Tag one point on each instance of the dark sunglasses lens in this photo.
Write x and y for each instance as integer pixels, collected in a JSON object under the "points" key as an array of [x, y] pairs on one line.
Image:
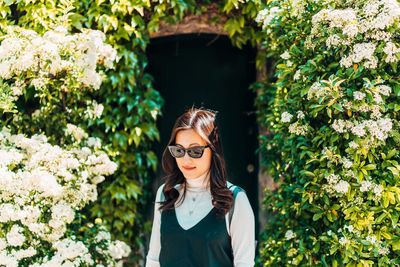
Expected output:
{"points": [[177, 152], [195, 152]]}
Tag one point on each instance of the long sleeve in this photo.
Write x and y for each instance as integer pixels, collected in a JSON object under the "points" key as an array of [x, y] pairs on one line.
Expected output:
{"points": [[152, 258], [243, 232]]}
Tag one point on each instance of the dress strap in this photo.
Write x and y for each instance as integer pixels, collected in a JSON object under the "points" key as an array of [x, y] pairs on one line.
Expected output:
{"points": [[236, 190]]}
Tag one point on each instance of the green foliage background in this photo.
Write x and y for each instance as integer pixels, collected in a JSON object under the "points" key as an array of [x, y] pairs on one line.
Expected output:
{"points": [[310, 226], [299, 163]]}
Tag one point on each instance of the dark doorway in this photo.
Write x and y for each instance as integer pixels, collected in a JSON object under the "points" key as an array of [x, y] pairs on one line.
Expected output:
{"points": [[206, 70]]}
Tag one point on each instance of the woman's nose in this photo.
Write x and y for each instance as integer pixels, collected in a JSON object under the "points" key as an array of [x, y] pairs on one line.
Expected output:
{"points": [[186, 157]]}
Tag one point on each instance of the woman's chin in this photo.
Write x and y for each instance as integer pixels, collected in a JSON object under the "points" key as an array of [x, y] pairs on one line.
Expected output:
{"points": [[190, 175]]}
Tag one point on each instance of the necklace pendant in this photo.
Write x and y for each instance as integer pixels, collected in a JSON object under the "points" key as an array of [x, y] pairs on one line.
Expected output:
{"points": [[190, 212], [193, 198]]}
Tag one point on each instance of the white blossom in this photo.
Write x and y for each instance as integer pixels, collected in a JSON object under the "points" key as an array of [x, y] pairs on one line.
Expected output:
{"points": [[342, 187], [300, 114], [297, 129], [297, 75], [75, 131], [332, 178], [365, 186], [391, 51], [119, 249], [15, 236], [286, 117], [266, 16], [344, 241], [384, 90], [285, 55], [347, 163], [359, 95], [372, 239], [289, 235]]}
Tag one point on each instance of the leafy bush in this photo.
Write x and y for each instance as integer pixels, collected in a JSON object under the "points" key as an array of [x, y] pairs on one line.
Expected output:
{"points": [[43, 186], [334, 133]]}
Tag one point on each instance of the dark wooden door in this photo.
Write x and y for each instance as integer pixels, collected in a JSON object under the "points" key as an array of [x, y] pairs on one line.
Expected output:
{"points": [[206, 70]]}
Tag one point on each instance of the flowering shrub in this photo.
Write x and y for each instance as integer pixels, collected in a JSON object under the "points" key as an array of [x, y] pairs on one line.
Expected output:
{"points": [[334, 133], [41, 188], [53, 64], [44, 187]]}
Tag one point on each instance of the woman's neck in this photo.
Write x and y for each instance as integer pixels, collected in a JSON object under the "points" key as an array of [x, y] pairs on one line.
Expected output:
{"points": [[200, 183]]}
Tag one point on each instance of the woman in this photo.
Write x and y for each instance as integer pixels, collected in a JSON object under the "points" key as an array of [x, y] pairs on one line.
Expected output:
{"points": [[198, 220]]}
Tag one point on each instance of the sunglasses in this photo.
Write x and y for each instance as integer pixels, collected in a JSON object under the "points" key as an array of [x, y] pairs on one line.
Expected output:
{"points": [[193, 152]]}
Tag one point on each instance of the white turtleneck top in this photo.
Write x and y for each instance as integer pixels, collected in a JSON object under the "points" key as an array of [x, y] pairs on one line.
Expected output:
{"points": [[189, 213]]}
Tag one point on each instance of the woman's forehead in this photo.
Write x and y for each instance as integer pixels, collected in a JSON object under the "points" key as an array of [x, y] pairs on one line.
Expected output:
{"points": [[188, 137]]}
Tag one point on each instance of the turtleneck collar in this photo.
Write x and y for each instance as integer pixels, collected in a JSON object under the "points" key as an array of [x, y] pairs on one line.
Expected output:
{"points": [[200, 183]]}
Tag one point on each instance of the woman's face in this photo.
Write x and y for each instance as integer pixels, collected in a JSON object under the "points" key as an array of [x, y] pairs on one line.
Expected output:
{"points": [[191, 167]]}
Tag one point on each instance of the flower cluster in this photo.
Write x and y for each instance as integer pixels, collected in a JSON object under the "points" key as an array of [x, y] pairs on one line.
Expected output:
{"points": [[371, 20], [336, 186], [377, 129], [41, 188], [266, 16], [28, 59]]}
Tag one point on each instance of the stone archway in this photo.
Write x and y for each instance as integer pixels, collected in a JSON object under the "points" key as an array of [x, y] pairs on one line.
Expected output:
{"points": [[211, 21]]}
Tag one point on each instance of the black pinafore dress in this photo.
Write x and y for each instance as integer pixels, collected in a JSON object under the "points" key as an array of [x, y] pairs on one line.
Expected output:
{"points": [[206, 244]]}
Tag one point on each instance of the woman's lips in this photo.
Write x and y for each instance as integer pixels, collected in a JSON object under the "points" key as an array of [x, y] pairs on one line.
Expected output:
{"points": [[188, 168]]}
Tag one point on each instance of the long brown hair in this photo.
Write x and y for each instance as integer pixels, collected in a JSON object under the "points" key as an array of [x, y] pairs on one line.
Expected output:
{"points": [[203, 122]]}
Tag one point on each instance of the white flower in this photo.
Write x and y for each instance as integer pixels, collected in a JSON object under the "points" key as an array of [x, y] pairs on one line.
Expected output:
{"points": [[103, 235], [286, 117], [332, 178], [333, 41], [39, 197], [316, 91], [347, 163], [69, 249], [15, 236], [383, 250], [377, 190], [24, 253], [372, 239], [353, 145], [384, 90], [94, 142], [359, 95], [365, 186], [289, 235], [98, 110], [3, 244], [351, 30], [361, 52], [77, 132], [62, 212], [98, 179], [297, 75], [297, 129], [342, 187], [391, 50], [119, 249], [266, 16], [339, 126], [371, 9], [298, 7], [300, 115], [285, 55], [344, 241], [358, 130]]}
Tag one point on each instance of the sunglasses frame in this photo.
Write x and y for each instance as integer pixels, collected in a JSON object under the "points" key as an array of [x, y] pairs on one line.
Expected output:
{"points": [[186, 150]]}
